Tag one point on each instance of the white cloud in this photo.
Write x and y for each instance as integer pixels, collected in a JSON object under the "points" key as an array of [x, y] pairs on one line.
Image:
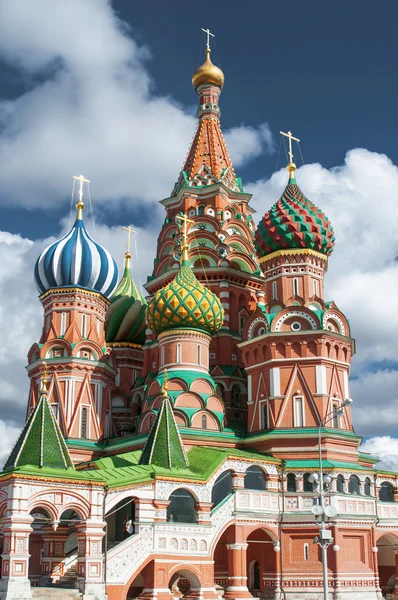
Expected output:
{"points": [[375, 407], [385, 448], [92, 109], [8, 436]]}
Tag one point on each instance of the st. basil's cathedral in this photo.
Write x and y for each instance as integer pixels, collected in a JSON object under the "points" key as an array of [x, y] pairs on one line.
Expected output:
{"points": [[177, 443]]}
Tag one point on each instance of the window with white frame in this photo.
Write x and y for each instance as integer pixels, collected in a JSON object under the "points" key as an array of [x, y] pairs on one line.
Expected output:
{"points": [[298, 411], [274, 291], [315, 282], [83, 422], [62, 329], [178, 353], [162, 356], [335, 420], [295, 286], [84, 326], [198, 353], [265, 423]]}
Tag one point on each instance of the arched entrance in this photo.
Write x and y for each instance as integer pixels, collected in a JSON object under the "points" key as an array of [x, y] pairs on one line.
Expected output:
{"points": [[261, 561], [42, 520], [183, 584], [387, 545], [120, 521]]}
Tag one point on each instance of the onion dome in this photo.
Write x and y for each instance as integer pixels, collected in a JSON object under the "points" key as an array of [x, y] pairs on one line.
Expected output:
{"points": [[125, 317], [185, 303], [208, 73], [294, 222], [76, 260]]}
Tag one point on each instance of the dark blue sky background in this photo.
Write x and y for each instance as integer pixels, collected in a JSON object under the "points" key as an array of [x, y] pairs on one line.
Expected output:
{"points": [[327, 71]]}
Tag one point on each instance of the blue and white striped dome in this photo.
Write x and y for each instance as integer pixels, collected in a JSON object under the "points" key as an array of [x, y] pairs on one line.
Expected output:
{"points": [[76, 260]]}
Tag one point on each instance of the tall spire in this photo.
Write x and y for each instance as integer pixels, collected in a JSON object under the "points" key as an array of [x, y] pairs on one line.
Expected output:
{"points": [[164, 447], [41, 443]]}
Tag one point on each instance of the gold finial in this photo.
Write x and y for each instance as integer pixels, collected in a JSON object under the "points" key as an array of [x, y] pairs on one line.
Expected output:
{"points": [[80, 203], [128, 253], [208, 34], [165, 384], [185, 246], [44, 381], [291, 167]]}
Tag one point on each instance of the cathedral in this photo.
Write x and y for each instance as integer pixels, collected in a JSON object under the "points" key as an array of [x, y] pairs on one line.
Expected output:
{"points": [[196, 442]]}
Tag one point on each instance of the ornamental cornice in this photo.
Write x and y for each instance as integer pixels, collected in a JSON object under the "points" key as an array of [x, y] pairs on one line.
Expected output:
{"points": [[185, 332], [71, 290], [292, 252], [125, 345], [56, 480]]}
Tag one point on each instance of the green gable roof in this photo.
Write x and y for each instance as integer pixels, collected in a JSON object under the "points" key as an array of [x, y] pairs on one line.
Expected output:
{"points": [[41, 443], [164, 446]]}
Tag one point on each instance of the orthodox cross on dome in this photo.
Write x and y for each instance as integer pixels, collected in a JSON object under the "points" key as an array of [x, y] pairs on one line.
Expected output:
{"points": [[80, 204], [290, 137], [208, 34], [184, 246], [129, 232], [43, 389]]}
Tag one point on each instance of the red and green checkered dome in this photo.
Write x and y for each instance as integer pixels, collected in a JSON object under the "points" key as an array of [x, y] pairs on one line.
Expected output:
{"points": [[294, 222]]}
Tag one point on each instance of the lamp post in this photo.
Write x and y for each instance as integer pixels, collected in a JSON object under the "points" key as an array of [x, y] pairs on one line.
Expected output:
{"points": [[321, 511]]}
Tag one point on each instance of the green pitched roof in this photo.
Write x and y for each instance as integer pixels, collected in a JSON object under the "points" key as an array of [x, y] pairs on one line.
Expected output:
{"points": [[164, 446], [41, 443]]}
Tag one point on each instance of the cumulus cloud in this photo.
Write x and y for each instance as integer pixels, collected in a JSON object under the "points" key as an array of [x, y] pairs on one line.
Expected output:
{"points": [[8, 435], [386, 448], [91, 107]]}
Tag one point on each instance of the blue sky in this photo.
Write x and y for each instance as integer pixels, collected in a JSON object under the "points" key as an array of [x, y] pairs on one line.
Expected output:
{"points": [[105, 90]]}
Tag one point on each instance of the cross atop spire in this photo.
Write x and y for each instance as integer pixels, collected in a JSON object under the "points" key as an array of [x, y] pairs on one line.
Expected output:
{"points": [[208, 34], [185, 246], [128, 253], [291, 166], [80, 203]]}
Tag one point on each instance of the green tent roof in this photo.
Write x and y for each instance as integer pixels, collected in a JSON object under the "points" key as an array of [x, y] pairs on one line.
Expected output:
{"points": [[41, 443]]}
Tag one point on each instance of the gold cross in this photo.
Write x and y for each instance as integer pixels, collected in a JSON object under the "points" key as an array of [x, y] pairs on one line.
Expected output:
{"points": [[208, 34], [290, 136], [129, 232], [184, 246], [45, 379], [82, 180], [165, 384]]}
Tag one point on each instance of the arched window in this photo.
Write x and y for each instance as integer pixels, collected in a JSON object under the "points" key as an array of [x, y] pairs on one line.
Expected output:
{"points": [[274, 291], [386, 492], [354, 486], [84, 326], [178, 353], [204, 422], [222, 488], [198, 353], [162, 356], [201, 210], [340, 484], [235, 396], [182, 507], [255, 479], [315, 281], [83, 423], [63, 324], [265, 415], [307, 485], [368, 487], [295, 286], [291, 482]]}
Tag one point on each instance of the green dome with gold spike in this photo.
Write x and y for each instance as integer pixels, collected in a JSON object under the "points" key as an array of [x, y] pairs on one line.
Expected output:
{"points": [[125, 317], [185, 303]]}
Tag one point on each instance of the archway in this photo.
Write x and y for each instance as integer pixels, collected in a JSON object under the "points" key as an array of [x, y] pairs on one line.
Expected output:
{"points": [[120, 521], [261, 562], [184, 583], [42, 521], [386, 546]]}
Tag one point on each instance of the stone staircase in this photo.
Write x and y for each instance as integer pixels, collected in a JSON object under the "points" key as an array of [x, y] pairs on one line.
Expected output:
{"points": [[56, 593]]}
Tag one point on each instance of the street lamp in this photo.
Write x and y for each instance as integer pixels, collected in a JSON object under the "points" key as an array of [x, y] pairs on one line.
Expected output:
{"points": [[320, 511]]}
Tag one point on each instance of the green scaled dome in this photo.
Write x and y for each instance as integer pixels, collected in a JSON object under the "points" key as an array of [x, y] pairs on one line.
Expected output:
{"points": [[294, 222], [185, 303], [125, 317]]}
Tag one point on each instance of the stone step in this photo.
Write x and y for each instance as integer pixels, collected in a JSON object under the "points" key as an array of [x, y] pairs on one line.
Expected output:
{"points": [[56, 593]]}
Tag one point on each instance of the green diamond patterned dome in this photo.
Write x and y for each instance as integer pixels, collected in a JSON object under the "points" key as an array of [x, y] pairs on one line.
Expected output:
{"points": [[294, 222], [185, 303], [125, 317]]}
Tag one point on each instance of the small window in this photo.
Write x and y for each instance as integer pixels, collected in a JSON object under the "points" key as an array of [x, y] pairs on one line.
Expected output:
{"points": [[85, 354], [265, 415], [298, 412], [198, 353], [63, 324], [368, 487], [295, 287], [162, 356], [204, 422], [335, 416], [242, 321], [201, 210], [306, 552], [178, 354], [117, 378], [83, 424], [274, 291], [307, 485], [133, 376], [340, 484], [222, 488], [291, 482], [182, 507], [84, 326], [354, 486], [57, 353], [315, 281], [386, 492]]}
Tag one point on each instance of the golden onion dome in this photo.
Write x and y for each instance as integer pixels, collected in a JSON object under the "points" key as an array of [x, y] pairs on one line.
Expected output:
{"points": [[208, 73], [185, 303]]}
